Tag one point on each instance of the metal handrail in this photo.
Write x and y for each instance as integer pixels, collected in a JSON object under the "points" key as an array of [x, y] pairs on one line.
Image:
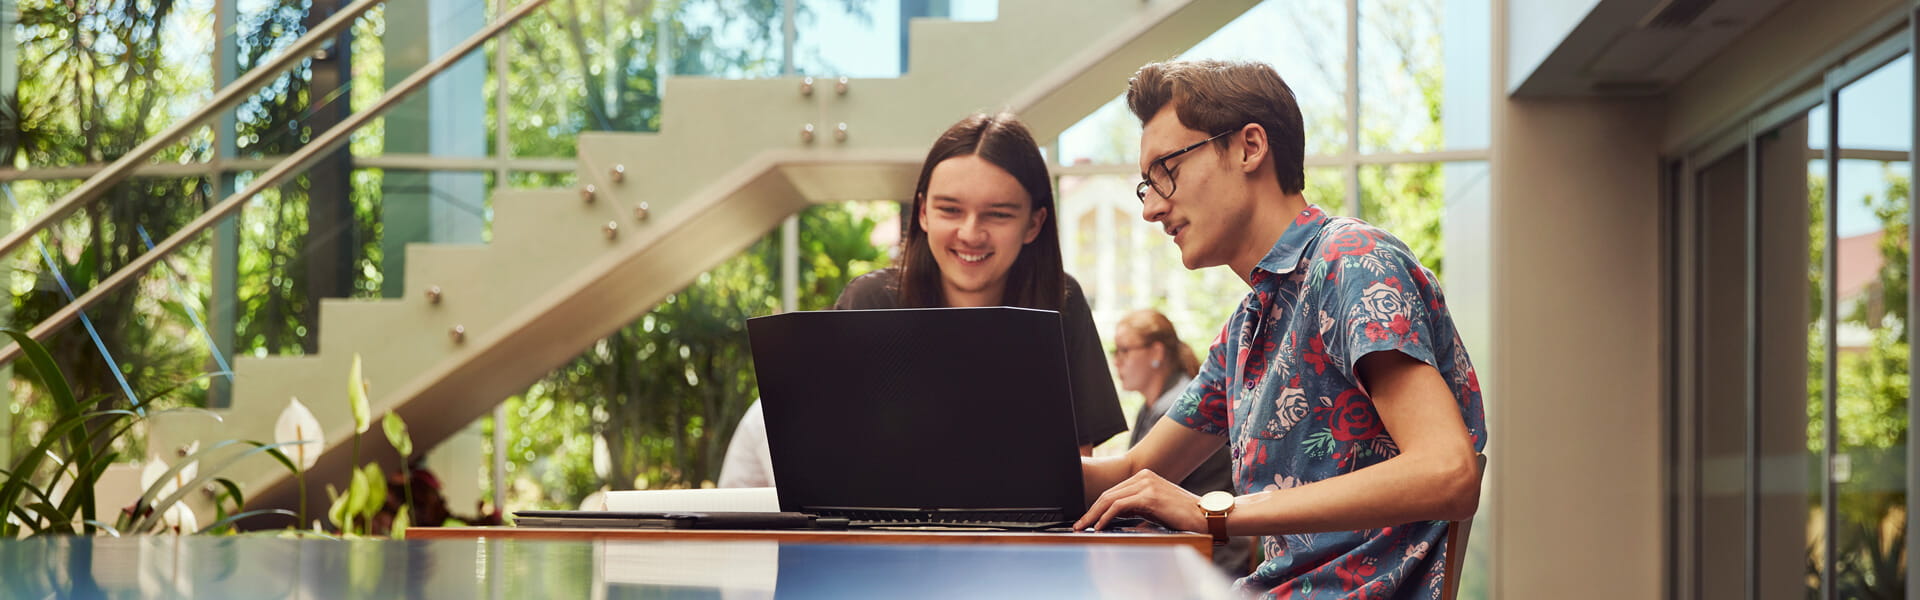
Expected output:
{"points": [[300, 159], [226, 98]]}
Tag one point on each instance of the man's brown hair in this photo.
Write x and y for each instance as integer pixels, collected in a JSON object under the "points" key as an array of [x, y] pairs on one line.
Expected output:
{"points": [[1214, 96]]}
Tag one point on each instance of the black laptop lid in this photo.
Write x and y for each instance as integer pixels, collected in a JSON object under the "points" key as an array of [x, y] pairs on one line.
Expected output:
{"points": [[940, 408]]}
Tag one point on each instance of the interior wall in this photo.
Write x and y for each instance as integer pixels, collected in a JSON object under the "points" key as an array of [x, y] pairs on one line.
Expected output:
{"points": [[1576, 298]]}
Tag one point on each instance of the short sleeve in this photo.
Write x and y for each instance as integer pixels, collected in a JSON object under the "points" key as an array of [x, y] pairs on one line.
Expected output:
{"points": [[1379, 299], [1203, 407], [1096, 407]]}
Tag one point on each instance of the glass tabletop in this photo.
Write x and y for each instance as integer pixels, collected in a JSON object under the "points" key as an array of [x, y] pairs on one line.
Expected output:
{"points": [[267, 567]]}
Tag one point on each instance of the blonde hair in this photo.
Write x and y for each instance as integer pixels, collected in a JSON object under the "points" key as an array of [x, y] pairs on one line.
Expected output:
{"points": [[1152, 327]]}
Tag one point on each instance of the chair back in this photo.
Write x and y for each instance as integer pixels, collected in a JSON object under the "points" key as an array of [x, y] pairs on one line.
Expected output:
{"points": [[1457, 532]]}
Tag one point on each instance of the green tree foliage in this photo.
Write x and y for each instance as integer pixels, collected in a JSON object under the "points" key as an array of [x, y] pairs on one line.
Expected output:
{"points": [[277, 313], [93, 77], [99, 78]]}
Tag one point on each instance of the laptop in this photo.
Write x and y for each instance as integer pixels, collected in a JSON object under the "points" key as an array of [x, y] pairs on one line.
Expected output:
{"points": [[941, 417]]}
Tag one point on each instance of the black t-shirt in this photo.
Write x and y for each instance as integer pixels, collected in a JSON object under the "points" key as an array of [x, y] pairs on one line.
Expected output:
{"points": [[1096, 408]]}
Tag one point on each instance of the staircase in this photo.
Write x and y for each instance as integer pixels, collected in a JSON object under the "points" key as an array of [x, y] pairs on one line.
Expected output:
{"points": [[568, 267]]}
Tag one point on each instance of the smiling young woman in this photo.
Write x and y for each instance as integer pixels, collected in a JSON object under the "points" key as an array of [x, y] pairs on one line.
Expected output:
{"points": [[983, 190], [981, 234]]}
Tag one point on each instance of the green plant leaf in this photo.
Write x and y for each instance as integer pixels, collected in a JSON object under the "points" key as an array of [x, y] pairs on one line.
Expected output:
{"points": [[29, 463], [401, 522], [376, 497], [357, 397], [274, 451], [357, 494], [233, 491], [108, 528], [396, 431], [337, 508], [27, 520], [51, 514], [43, 368]]}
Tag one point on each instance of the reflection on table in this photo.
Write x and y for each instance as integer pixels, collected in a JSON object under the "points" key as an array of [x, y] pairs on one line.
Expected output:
{"points": [[248, 566]]}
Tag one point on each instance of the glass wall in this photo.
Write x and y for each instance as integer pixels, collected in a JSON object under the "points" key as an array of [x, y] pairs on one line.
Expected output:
{"points": [[1791, 472]]}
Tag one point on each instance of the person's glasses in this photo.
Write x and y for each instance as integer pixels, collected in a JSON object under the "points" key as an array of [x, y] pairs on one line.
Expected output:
{"points": [[1120, 352], [1160, 176]]}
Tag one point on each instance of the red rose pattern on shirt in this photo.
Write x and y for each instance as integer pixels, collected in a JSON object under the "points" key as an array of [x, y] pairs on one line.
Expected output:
{"points": [[1279, 383]]}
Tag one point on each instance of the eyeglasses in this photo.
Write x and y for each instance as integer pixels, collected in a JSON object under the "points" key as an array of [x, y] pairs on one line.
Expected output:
{"points": [[1120, 352], [1160, 176]]}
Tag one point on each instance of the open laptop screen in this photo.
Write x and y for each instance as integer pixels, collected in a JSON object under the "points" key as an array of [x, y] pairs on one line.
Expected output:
{"points": [[944, 409]]}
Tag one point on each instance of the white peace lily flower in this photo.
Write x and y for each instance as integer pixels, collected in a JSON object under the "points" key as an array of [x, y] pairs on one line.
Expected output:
{"points": [[180, 519], [298, 424], [157, 468], [152, 473]]}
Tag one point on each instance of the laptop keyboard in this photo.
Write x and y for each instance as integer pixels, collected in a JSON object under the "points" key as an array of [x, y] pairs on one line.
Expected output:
{"points": [[998, 519]]}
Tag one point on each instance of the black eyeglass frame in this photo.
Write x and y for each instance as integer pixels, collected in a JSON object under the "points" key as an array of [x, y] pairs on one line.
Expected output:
{"points": [[1140, 190]]}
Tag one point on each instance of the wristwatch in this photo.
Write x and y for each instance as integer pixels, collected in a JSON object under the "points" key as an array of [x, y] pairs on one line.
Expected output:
{"points": [[1216, 505]]}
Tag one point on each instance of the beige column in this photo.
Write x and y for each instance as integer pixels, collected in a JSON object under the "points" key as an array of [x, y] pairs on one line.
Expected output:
{"points": [[1575, 408]]}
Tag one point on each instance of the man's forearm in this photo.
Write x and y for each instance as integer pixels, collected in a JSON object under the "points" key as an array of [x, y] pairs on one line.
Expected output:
{"points": [[1099, 473], [1170, 449], [1403, 489]]}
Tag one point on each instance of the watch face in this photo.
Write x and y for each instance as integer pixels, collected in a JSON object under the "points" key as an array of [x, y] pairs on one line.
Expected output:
{"points": [[1216, 501]]}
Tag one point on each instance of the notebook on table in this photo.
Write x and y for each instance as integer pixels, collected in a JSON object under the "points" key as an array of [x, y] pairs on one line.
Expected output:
{"points": [[597, 519], [941, 417]]}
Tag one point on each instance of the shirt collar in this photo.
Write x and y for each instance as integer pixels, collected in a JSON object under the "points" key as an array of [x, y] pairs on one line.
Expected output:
{"points": [[1284, 257]]}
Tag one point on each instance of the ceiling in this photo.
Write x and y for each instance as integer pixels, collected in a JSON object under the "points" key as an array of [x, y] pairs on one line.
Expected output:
{"points": [[1641, 47]]}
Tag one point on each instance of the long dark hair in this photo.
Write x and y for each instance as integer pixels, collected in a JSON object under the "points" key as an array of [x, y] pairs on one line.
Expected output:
{"points": [[1036, 279]]}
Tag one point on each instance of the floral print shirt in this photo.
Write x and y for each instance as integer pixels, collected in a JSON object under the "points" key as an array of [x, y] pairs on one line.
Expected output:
{"points": [[1280, 384]]}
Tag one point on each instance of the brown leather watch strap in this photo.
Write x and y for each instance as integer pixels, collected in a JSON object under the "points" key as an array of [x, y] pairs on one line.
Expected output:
{"points": [[1217, 525]]}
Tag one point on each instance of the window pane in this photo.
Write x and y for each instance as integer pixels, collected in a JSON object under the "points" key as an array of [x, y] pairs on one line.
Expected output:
{"points": [[1111, 135], [1719, 496], [1125, 263], [1410, 201], [1306, 43], [855, 39], [1791, 369], [1418, 58], [1873, 222], [1327, 188]]}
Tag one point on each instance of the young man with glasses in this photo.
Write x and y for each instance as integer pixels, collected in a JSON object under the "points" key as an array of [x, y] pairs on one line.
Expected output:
{"points": [[1343, 393]]}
